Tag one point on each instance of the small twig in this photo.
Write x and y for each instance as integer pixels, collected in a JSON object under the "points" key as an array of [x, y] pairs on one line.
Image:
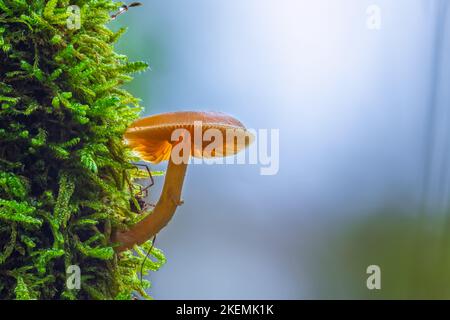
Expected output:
{"points": [[146, 257]]}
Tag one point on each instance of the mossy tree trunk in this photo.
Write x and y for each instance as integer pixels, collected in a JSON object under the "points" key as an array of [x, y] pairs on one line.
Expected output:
{"points": [[65, 174]]}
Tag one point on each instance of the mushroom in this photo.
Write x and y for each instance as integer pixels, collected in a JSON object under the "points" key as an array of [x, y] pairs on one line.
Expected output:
{"points": [[174, 137]]}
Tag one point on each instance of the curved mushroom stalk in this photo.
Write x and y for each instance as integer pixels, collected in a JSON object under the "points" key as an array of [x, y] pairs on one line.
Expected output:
{"points": [[163, 212], [151, 138]]}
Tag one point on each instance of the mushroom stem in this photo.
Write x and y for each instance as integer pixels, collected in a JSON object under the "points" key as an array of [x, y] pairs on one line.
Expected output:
{"points": [[163, 212]]}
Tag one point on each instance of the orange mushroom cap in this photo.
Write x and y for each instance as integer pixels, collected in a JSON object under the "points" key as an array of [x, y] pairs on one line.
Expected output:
{"points": [[151, 137]]}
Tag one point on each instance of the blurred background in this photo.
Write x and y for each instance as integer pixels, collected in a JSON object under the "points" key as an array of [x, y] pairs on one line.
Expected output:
{"points": [[364, 123]]}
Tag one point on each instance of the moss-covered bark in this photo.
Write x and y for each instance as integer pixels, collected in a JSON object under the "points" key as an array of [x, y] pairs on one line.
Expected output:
{"points": [[65, 174]]}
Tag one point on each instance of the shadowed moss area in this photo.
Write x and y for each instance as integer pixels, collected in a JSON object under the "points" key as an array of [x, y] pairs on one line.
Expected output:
{"points": [[66, 178]]}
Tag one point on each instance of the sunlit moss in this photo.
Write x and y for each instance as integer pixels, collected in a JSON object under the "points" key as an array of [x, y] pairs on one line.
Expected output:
{"points": [[65, 173]]}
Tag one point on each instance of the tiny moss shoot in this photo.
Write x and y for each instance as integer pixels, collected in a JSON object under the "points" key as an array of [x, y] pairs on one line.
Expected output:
{"points": [[66, 178]]}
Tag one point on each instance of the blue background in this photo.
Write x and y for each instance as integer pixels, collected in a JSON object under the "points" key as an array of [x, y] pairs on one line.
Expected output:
{"points": [[363, 118]]}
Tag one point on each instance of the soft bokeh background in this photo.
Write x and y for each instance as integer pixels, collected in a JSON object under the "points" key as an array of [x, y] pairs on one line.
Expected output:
{"points": [[364, 149]]}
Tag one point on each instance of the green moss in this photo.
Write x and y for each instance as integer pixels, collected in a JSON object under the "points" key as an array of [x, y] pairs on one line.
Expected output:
{"points": [[65, 173]]}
